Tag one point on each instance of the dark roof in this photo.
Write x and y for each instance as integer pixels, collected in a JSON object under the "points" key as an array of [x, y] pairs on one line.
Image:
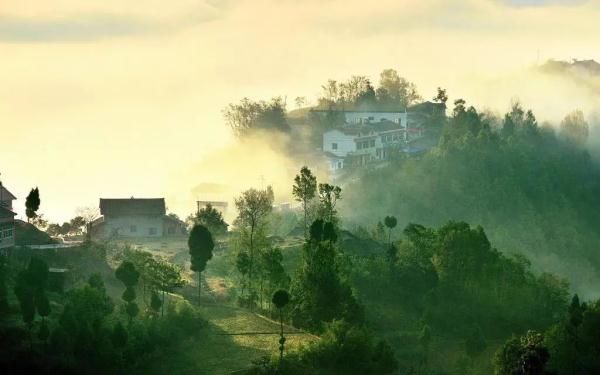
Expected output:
{"points": [[427, 107], [4, 193], [132, 206]]}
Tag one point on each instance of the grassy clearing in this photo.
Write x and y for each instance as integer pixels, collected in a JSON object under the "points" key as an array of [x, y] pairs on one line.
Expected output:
{"points": [[219, 353]]}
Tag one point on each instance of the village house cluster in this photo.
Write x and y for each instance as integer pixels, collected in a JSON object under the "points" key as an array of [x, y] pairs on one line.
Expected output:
{"points": [[373, 136]]}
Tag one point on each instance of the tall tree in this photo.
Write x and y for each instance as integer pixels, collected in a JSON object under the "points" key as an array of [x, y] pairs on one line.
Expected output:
{"points": [[575, 128], [304, 190], [280, 299], [253, 207], [129, 276], [201, 246], [390, 222], [32, 204], [328, 196]]}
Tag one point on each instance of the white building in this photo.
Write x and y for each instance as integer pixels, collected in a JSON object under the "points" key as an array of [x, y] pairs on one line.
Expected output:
{"points": [[135, 218], [7, 218], [373, 117], [362, 145]]}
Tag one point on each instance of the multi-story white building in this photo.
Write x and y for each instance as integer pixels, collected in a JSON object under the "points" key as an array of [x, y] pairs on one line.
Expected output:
{"points": [[7, 219], [365, 144]]}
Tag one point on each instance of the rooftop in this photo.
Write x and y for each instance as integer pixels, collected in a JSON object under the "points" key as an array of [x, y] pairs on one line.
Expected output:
{"points": [[5, 194], [132, 206]]}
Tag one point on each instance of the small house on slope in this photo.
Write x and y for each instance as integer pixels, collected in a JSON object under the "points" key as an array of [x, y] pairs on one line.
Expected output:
{"points": [[136, 218]]}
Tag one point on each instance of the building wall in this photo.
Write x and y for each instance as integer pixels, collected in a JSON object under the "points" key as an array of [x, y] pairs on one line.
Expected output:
{"points": [[374, 117], [134, 226], [7, 233], [338, 143]]}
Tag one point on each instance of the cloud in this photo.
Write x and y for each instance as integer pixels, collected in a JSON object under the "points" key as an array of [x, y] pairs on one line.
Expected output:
{"points": [[98, 26], [537, 3]]}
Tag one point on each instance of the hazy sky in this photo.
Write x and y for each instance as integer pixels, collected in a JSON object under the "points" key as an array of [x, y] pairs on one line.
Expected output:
{"points": [[119, 98]]}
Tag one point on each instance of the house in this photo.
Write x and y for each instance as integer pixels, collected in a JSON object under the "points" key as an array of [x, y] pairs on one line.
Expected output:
{"points": [[136, 218], [7, 219], [364, 144], [366, 117]]}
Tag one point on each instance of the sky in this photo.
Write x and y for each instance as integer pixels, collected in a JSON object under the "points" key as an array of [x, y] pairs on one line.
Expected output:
{"points": [[125, 98]]}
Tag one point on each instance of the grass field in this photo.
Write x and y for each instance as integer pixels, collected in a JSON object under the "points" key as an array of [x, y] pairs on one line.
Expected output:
{"points": [[224, 348]]}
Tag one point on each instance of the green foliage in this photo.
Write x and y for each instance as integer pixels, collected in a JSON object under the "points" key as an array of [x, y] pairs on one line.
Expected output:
{"points": [[319, 294], [452, 279], [43, 331], [475, 343], [483, 174], [575, 128], [526, 355], [249, 116], [305, 190], [328, 197], [127, 274], [281, 298], [201, 246], [30, 289], [211, 218], [574, 343], [119, 336], [155, 302], [32, 203], [343, 349]]}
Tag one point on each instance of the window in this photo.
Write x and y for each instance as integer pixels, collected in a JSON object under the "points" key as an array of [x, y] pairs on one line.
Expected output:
{"points": [[358, 145], [372, 144], [339, 165], [133, 229], [334, 146], [152, 231]]}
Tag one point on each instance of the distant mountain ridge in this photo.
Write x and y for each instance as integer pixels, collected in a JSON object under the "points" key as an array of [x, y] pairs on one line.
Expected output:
{"points": [[576, 67]]}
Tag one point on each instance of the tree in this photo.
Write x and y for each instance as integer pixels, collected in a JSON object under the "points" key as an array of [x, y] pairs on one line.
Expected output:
{"points": [[165, 277], [253, 207], [272, 270], [242, 264], [89, 215], [211, 218], [328, 196], [280, 299], [30, 291], [575, 128], [129, 276], [522, 356], [441, 97], [201, 246], [320, 295], [390, 223], [300, 101], [119, 336], [248, 116], [155, 302], [32, 204], [400, 92], [304, 190]]}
